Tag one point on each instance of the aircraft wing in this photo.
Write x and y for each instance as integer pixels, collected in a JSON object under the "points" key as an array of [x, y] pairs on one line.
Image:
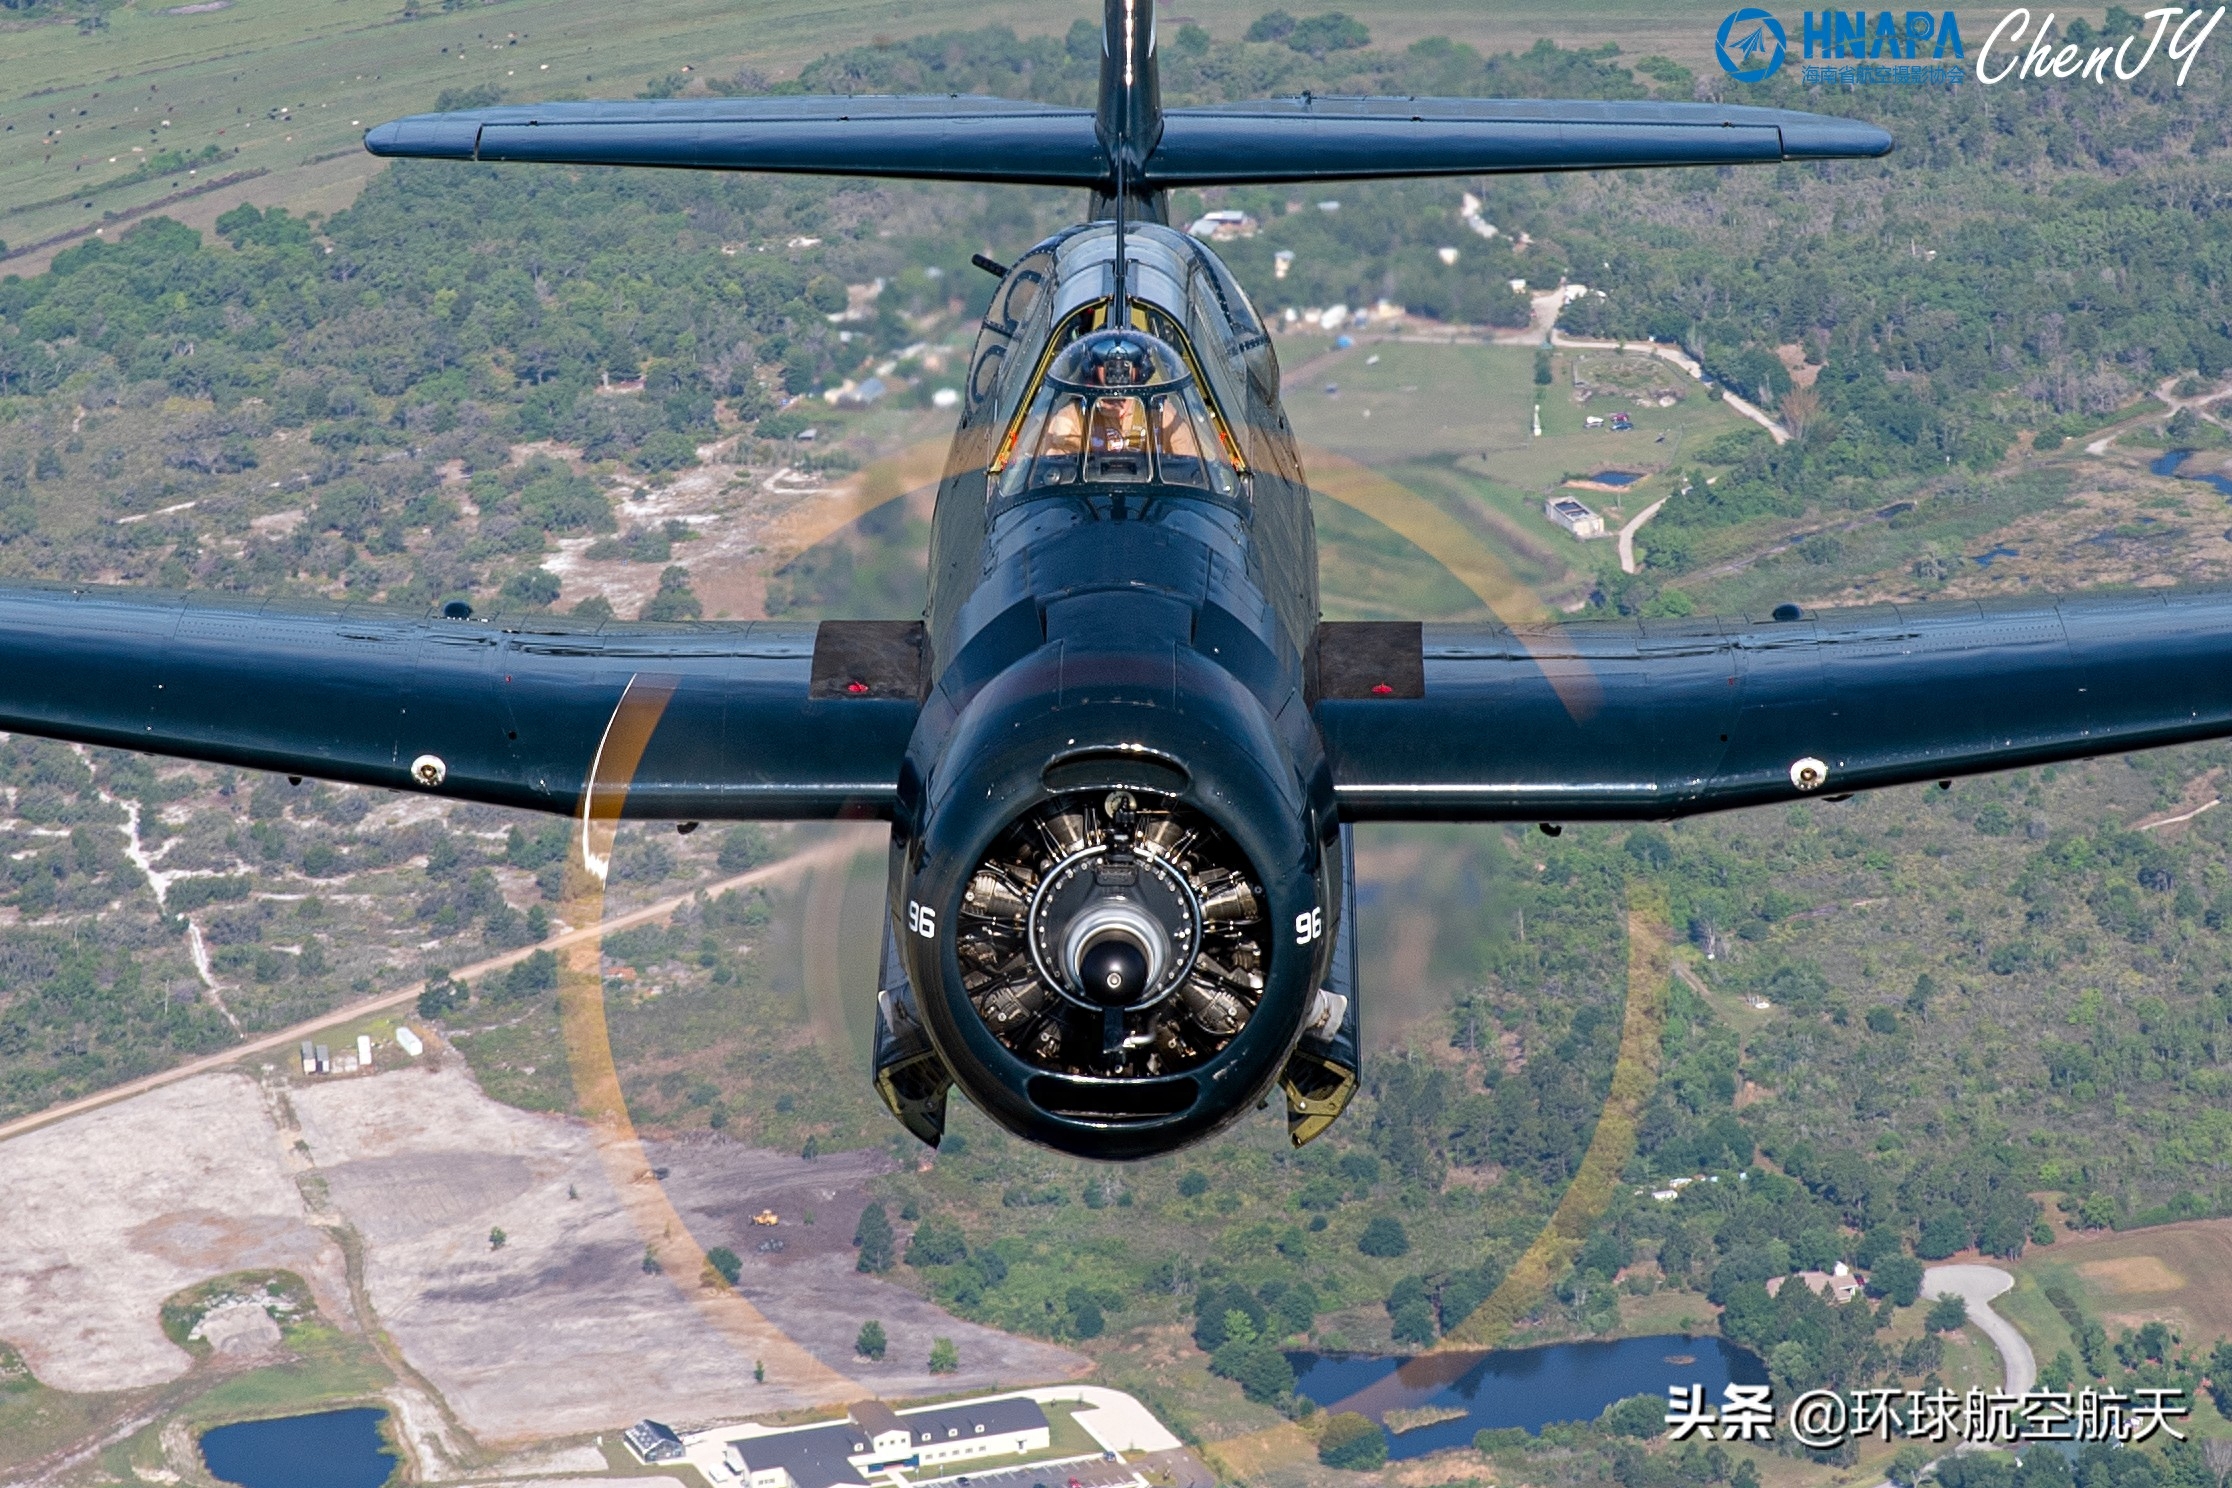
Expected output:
{"points": [[964, 138], [758, 720], [1664, 719]]}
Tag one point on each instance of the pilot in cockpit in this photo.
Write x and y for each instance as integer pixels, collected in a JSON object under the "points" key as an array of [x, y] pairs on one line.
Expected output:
{"points": [[1117, 407]]}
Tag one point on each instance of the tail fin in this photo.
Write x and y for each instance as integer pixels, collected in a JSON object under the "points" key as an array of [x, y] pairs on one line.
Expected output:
{"points": [[1129, 118]]}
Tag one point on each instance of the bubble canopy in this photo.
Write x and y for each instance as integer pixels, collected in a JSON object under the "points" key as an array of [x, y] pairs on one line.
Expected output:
{"points": [[1117, 408]]}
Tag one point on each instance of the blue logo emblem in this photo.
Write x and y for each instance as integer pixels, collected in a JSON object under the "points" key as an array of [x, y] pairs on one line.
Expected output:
{"points": [[1750, 45]]}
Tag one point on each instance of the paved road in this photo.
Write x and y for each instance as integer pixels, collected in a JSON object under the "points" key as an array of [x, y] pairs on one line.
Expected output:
{"points": [[1977, 1286], [840, 848], [1627, 534]]}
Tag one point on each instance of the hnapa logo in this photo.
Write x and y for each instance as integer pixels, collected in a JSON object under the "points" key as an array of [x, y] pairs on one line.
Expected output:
{"points": [[1921, 47]]}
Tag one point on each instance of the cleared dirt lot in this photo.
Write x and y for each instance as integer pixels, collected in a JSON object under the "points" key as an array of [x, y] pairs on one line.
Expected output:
{"points": [[810, 1289], [109, 1213], [559, 1331], [562, 1330]]}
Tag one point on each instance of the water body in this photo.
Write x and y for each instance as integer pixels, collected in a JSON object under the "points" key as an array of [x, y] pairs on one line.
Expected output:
{"points": [[1986, 560], [1528, 1388], [2171, 463], [333, 1449], [1615, 477]]}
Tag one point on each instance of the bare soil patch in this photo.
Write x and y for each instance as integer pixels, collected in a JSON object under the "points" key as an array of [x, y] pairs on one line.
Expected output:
{"points": [[110, 1212]]}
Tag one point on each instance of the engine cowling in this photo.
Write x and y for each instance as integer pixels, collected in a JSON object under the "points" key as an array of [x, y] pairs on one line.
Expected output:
{"points": [[1112, 910]]}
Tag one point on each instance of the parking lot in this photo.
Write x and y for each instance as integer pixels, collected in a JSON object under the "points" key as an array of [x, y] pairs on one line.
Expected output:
{"points": [[1085, 1472]]}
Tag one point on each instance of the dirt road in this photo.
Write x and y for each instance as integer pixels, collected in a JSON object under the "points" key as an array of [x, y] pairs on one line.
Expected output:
{"points": [[841, 848]]}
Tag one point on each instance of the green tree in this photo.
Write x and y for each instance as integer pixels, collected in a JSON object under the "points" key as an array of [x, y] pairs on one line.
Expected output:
{"points": [[725, 1263], [442, 996], [1192, 1183], [1898, 1277], [675, 599], [944, 1357], [871, 1342], [536, 588], [497, 1239], [743, 846], [1085, 1319], [873, 1236], [1351, 1441], [1638, 1416], [1384, 1237], [1949, 1314], [1260, 1369], [938, 1241]]}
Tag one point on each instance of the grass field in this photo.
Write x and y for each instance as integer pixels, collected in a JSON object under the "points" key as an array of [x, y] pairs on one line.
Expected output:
{"points": [[2175, 1273], [1454, 423], [284, 88]]}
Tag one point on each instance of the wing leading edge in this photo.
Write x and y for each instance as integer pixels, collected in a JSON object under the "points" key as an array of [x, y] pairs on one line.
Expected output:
{"points": [[1665, 719], [761, 720]]}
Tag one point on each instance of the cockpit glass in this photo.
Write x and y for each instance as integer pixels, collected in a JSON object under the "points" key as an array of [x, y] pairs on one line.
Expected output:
{"points": [[1079, 428], [1117, 450]]}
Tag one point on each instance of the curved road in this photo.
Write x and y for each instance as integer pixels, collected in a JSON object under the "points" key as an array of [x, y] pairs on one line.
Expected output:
{"points": [[1627, 534], [1977, 1286]]}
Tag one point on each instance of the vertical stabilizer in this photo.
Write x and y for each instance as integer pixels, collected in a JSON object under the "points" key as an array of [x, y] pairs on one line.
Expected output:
{"points": [[1129, 118]]}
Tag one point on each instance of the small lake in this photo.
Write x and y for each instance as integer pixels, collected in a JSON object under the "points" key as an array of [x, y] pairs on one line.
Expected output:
{"points": [[333, 1449], [2171, 463], [1528, 1388]]}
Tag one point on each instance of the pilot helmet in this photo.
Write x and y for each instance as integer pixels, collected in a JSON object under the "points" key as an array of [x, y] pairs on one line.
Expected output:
{"points": [[1118, 359]]}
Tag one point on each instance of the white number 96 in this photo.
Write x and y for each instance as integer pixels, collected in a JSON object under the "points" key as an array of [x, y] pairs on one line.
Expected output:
{"points": [[922, 920], [1308, 927]]}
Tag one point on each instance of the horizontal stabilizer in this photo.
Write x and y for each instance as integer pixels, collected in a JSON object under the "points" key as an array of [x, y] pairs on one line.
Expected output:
{"points": [[962, 138], [1329, 139], [946, 137]]}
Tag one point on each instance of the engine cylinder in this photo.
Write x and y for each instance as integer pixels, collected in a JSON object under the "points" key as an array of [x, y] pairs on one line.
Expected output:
{"points": [[1095, 892]]}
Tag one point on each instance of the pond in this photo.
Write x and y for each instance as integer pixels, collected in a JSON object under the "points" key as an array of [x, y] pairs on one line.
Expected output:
{"points": [[2171, 463], [333, 1449], [1528, 1388]]}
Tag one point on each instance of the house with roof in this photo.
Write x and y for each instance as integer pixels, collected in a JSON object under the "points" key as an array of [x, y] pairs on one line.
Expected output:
{"points": [[653, 1441], [874, 1439]]}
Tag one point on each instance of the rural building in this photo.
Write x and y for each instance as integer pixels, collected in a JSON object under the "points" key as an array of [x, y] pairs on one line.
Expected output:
{"points": [[1573, 517], [877, 1438], [652, 1441], [409, 1042], [1224, 226], [1839, 1288]]}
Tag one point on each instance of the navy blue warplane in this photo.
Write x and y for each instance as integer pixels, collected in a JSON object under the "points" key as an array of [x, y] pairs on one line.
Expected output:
{"points": [[1121, 753]]}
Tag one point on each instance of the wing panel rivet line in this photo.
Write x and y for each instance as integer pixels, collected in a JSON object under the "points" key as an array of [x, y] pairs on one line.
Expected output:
{"points": [[429, 771]]}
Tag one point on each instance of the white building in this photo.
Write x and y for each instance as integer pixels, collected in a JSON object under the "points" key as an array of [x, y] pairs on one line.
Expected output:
{"points": [[848, 1454], [1224, 226], [1573, 517]]}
